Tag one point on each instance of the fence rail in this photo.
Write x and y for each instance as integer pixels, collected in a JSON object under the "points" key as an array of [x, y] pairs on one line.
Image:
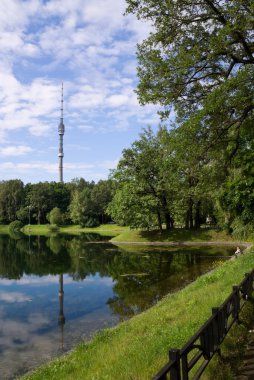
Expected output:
{"points": [[199, 350]]}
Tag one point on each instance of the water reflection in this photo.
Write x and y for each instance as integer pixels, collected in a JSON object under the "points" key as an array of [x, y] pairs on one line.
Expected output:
{"points": [[58, 290]]}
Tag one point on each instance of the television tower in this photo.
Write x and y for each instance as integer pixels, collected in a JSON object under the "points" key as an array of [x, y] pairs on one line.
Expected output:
{"points": [[61, 130]]}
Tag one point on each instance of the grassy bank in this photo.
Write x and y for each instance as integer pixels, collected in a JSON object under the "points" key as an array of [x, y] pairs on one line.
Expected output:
{"points": [[137, 349], [44, 229], [177, 235], [4, 229]]}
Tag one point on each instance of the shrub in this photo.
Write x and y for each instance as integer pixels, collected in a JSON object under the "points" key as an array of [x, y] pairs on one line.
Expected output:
{"points": [[15, 226], [55, 216], [89, 222], [242, 231], [53, 228]]}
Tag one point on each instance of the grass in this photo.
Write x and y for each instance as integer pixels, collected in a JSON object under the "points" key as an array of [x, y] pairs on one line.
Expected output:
{"points": [[44, 229], [176, 235], [4, 229], [138, 348]]}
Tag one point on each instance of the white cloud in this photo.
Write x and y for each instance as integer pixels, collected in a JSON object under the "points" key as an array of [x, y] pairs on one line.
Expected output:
{"points": [[109, 164], [43, 167], [15, 150]]}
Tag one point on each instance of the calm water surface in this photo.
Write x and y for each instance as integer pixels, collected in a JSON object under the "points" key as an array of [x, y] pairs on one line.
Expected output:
{"points": [[102, 285]]}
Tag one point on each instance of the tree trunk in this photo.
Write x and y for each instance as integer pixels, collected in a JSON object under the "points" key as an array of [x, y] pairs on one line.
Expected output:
{"points": [[167, 216], [197, 215], [159, 220], [191, 212], [167, 220], [189, 215]]}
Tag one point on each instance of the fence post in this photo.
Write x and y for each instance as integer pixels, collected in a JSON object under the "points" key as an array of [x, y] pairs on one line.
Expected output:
{"points": [[175, 371], [236, 303], [216, 328]]}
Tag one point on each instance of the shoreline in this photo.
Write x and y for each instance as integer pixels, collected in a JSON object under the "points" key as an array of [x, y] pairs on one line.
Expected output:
{"points": [[183, 243]]}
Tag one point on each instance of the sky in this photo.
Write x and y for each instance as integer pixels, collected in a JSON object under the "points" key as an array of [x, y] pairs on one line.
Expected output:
{"points": [[90, 46]]}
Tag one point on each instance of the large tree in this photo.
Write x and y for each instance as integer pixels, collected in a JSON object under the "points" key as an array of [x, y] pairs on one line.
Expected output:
{"points": [[142, 187], [199, 57]]}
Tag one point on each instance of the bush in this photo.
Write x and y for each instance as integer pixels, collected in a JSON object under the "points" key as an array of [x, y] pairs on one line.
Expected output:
{"points": [[53, 228], [15, 226], [242, 231], [89, 222], [55, 216]]}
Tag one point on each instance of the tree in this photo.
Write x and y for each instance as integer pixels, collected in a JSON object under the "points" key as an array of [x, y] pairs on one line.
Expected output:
{"points": [[82, 209], [60, 195], [55, 216], [11, 199], [199, 59], [236, 195], [141, 185], [101, 196], [190, 173], [40, 199]]}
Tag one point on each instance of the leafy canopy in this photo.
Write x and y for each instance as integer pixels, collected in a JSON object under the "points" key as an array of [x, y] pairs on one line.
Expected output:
{"points": [[199, 58]]}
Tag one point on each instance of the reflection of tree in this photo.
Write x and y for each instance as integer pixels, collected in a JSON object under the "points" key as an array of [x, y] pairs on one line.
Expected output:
{"points": [[89, 259], [141, 280], [18, 257], [141, 276]]}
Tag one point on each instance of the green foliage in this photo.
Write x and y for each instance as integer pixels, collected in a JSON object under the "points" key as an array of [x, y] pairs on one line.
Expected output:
{"points": [[55, 216], [53, 228], [11, 199], [81, 207], [142, 198], [91, 222], [193, 50], [34, 202], [242, 231], [15, 226], [163, 178]]}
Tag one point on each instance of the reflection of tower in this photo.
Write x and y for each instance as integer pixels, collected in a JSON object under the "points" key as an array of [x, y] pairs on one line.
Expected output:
{"points": [[61, 317]]}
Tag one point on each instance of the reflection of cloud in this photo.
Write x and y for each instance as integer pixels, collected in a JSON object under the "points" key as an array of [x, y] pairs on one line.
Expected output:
{"points": [[105, 281], [14, 297], [36, 320], [17, 334], [50, 279], [35, 280]]}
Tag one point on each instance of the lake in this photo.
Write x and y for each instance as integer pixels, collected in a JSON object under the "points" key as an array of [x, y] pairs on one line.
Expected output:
{"points": [[57, 291]]}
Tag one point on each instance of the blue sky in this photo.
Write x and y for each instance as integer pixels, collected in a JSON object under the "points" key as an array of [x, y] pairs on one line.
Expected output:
{"points": [[89, 46]]}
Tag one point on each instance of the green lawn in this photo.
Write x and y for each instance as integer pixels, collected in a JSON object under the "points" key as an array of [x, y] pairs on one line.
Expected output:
{"points": [[176, 235], [4, 229], [111, 229], [136, 349]]}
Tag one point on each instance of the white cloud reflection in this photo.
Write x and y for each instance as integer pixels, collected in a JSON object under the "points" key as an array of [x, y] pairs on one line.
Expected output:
{"points": [[14, 297]]}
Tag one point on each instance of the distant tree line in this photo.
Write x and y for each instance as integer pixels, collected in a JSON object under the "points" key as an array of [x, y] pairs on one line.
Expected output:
{"points": [[166, 179], [79, 201]]}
